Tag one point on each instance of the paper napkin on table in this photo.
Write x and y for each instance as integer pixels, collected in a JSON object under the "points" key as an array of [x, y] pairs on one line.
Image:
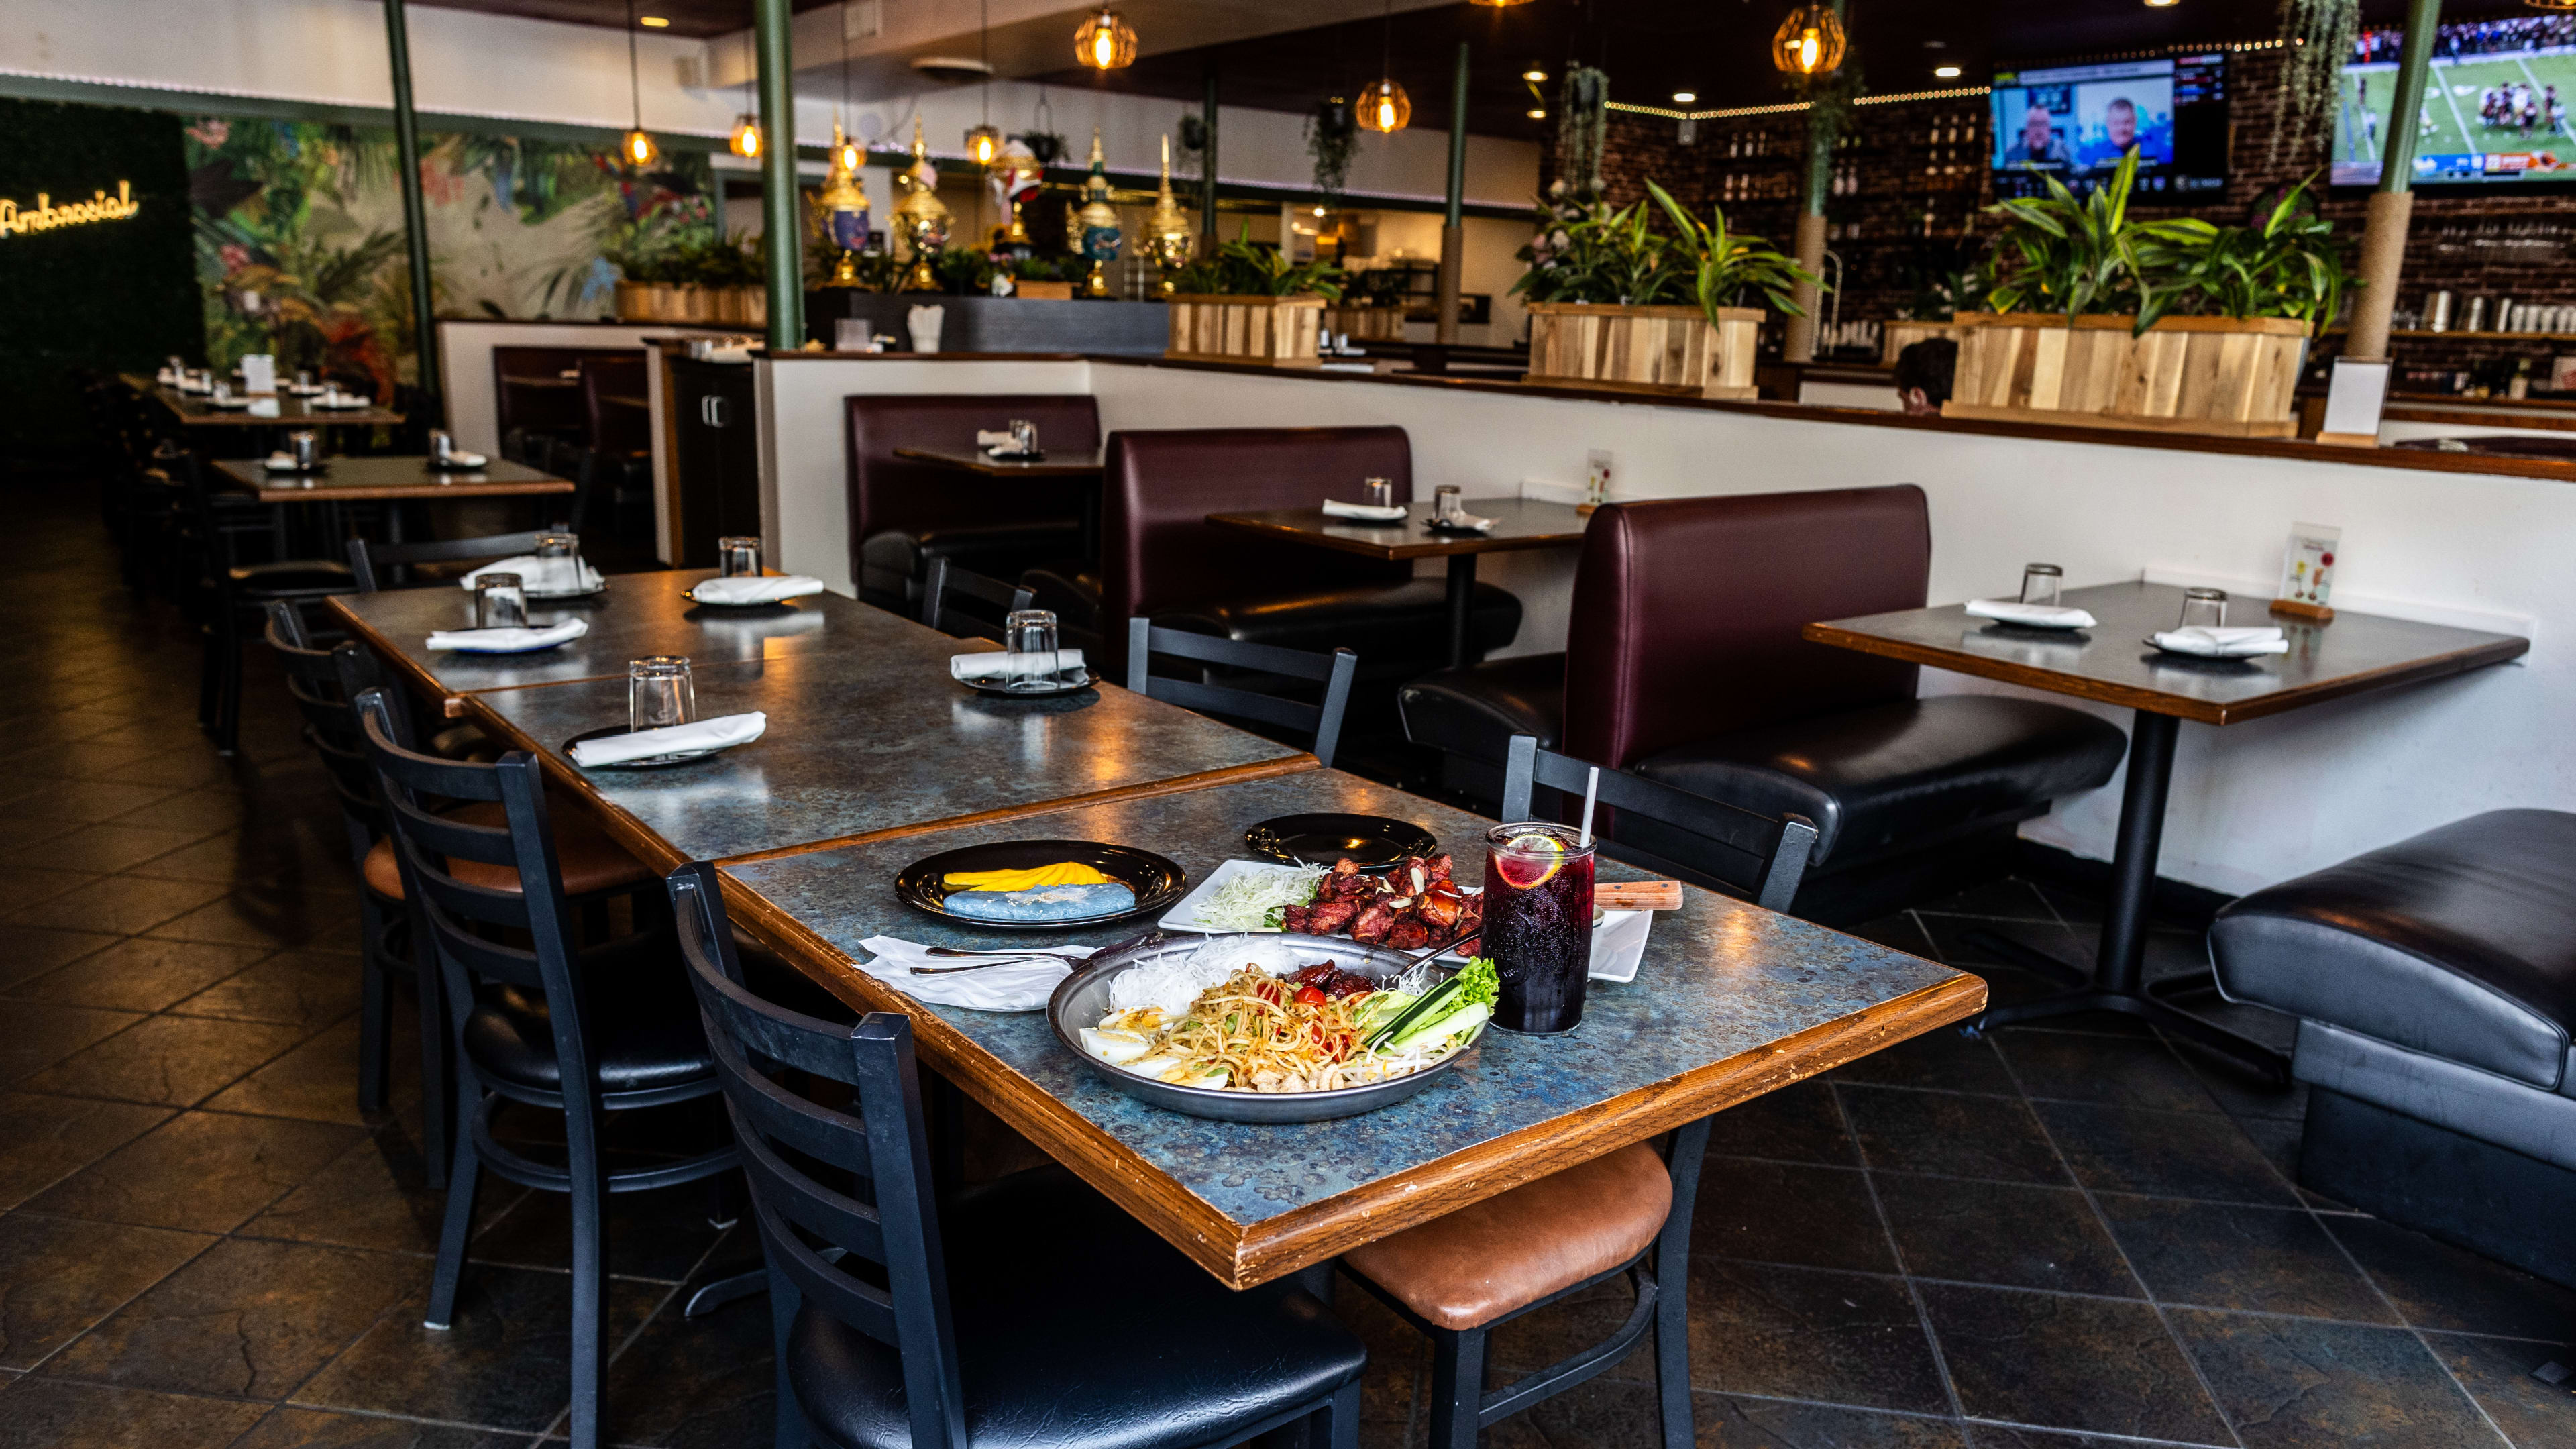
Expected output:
{"points": [[999, 665], [1011, 986], [542, 575], [2041, 616], [755, 589], [463, 459], [987, 438], [1335, 508], [1464, 522], [705, 734], [508, 640], [2209, 643], [280, 463]]}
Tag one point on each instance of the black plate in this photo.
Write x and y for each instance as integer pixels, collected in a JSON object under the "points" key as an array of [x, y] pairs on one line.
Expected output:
{"points": [[1156, 881], [1375, 841], [649, 762], [998, 692]]}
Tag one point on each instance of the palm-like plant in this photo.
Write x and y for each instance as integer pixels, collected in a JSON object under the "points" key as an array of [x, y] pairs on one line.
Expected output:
{"points": [[2058, 254], [1596, 254], [2289, 266], [1727, 264], [1240, 269]]}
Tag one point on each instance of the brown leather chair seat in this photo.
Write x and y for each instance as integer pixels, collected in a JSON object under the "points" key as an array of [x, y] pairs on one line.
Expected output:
{"points": [[592, 863], [1510, 1251]]}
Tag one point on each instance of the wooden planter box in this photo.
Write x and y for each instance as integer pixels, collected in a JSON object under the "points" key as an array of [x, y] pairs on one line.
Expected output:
{"points": [[1269, 331], [1371, 324], [2225, 376], [1899, 336], [665, 302], [1043, 291], [1658, 351]]}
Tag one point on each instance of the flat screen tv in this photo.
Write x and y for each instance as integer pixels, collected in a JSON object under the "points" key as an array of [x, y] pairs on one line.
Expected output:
{"points": [[2074, 122], [2495, 105]]}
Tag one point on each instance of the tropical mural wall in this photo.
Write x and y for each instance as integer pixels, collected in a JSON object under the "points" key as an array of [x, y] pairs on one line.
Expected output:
{"points": [[299, 236]]}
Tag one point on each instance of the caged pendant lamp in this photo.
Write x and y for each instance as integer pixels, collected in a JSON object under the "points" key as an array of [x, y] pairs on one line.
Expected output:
{"points": [[636, 148], [745, 140], [984, 140], [1105, 42], [1810, 42], [1383, 106]]}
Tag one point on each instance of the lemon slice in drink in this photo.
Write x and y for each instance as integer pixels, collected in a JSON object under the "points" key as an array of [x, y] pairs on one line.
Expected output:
{"points": [[1521, 873]]}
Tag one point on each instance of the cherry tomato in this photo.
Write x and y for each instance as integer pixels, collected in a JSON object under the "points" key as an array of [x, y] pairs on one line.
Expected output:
{"points": [[1311, 996]]}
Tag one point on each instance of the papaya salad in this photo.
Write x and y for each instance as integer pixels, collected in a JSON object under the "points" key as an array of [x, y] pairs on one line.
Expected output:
{"points": [[1251, 1016]]}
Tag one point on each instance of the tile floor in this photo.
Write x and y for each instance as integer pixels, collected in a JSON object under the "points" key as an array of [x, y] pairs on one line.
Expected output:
{"points": [[2063, 1239]]}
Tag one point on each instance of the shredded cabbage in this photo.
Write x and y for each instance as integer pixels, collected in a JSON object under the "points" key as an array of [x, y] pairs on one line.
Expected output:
{"points": [[1251, 900]]}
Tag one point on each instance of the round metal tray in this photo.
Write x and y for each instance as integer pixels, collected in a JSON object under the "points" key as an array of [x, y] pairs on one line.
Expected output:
{"points": [[1082, 998]]}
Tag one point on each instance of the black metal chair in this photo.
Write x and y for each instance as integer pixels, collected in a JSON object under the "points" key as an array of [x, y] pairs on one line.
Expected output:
{"points": [[377, 566], [949, 582], [232, 594], [1334, 671], [1095, 1333], [528, 1028], [1773, 850]]}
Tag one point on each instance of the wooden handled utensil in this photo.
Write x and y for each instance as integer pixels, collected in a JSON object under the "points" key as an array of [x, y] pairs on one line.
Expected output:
{"points": [[1637, 895]]}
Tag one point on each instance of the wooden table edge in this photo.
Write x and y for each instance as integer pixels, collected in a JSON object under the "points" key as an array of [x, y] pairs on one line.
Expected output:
{"points": [[526, 489], [1393, 552], [1002, 467], [2156, 702]]}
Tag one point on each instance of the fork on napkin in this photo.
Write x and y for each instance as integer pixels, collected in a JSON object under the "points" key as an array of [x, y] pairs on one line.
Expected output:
{"points": [[1005, 986], [542, 575], [1335, 508], [2209, 643], [2039, 616], [508, 640], [1000, 665], [751, 589], [723, 732]]}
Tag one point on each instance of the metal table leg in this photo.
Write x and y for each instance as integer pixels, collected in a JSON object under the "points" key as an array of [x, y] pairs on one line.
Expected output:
{"points": [[1462, 602], [2120, 960]]}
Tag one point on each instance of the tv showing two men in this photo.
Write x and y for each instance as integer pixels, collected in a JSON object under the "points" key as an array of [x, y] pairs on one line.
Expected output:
{"points": [[2076, 122]]}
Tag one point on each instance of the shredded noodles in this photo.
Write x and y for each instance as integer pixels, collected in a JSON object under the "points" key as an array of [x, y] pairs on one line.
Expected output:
{"points": [[1255, 1032]]}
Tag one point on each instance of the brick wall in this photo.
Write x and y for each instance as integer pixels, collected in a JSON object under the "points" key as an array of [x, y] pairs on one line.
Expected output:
{"points": [[1912, 180]]}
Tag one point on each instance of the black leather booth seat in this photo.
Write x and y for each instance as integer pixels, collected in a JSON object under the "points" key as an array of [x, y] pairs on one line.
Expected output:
{"points": [[904, 513], [2435, 983]]}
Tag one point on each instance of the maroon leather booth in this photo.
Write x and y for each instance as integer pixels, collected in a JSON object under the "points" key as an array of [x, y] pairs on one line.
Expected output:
{"points": [[1161, 558], [1684, 664], [903, 513]]}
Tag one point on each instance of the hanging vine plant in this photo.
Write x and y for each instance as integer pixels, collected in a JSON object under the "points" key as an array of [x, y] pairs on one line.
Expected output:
{"points": [[1583, 115], [1189, 143], [2317, 38], [1332, 138]]}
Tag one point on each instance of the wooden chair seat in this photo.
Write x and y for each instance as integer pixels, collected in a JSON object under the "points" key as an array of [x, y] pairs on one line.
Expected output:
{"points": [[592, 863], [1496, 1257]]}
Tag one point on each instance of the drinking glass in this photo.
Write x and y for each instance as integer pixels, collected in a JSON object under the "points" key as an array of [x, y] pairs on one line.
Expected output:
{"points": [[1381, 493], [305, 446], [1024, 437], [499, 602], [738, 557], [303, 379], [1538, 924], [441, 446], [1029, 635], [2039, 584], [2204, 609], [659, 692], [559, 562], [1448, 502]]}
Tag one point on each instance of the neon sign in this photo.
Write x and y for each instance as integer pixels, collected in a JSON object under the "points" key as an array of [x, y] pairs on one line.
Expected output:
{"points": [[16, 220]]}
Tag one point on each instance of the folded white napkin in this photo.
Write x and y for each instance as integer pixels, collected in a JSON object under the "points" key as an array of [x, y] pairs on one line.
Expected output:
{"points": [[987, 438], [542, 575], [281, 462], [1014, 986], [2038, 616], [747, 589], [998, 665], [508, 640], [1335, 508], [2209, 643], [463, 459], [706, 734], [1472, 523]]}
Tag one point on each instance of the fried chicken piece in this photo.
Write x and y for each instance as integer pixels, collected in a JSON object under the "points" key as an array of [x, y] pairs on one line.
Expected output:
{"points": [[1408, 934], [1436, 867], [1441, 908], [1373, 923], [1325, 917], [1293, 918]]}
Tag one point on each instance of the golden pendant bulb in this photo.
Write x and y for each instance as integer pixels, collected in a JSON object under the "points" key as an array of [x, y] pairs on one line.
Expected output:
{"points": [[1810, 42], [1385, 108], [745, 141], [639, 148], [1105, 42]]}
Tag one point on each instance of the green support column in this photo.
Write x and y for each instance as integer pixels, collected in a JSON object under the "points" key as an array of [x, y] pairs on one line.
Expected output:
{"points": [[782, 211], [2383, 235], [1207, 178], [1809, 246], [424, 305], [1453, 232]]}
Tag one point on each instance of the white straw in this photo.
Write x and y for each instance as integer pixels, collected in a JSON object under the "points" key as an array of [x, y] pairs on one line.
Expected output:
{"points": [[1591, 788]]}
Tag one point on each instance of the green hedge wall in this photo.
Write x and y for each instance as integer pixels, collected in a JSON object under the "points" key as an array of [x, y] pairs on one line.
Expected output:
{"points": [[109, 295]]}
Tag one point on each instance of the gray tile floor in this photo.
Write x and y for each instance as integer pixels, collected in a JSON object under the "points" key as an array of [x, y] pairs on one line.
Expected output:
{"points": [[2061, 1238]]}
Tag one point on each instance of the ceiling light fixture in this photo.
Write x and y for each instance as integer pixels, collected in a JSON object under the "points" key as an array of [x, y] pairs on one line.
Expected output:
{"points": [[745, 141], [1534, 76], [1810, 42], [1383, 106], [847, 153], [1538, 113], [653, 22], [2163, 4], [983, 142], [636, 146], [1105, 42], [1684, 98], [1946, 72], [1498, 4]]}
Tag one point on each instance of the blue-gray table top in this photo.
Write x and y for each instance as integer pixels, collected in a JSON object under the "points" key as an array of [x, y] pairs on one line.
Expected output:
{"points": [[1731, 1000]]}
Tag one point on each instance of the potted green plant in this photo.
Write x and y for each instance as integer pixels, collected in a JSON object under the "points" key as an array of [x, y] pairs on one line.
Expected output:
{"points": [[1248, 303]]}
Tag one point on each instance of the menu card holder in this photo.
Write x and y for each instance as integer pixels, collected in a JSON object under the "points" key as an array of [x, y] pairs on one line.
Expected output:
{"points": [[2353, 403], [2307, 571]]}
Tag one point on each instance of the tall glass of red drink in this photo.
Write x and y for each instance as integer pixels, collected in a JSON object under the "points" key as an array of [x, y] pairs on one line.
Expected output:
{"points": [[1538, 925]]}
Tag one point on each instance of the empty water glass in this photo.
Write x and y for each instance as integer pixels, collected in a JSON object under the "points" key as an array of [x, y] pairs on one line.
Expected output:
{"points": [[303, 379], [305, 447], [559, 562], [659, 692], [2204, 609], [499, 602], [738, 557], [1029, 635], [2040, 584], [1024, 437], [441, 446], [1448, 502], [1381, 493]]}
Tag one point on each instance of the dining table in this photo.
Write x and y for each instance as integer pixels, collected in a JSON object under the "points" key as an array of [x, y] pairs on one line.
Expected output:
{"points": [[2114, 662], [388, 478], [1519, 524], [260, 410], [1082, 469]]}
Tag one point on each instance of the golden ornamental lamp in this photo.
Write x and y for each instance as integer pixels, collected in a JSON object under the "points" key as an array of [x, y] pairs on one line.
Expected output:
{"points": [[1810, 42], [1100, 233], [983, 143], [1105, 42], [1167, 230], [843, 203], [1384, 108], [920, 216]]}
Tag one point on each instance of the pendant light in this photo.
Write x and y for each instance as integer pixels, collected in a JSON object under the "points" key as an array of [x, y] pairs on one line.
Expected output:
{"points": [[1383, 106], [636, 147], [745, 141], [983, 141], [1498, 4], [1810, 42], [847, 153], [1105, 42]]}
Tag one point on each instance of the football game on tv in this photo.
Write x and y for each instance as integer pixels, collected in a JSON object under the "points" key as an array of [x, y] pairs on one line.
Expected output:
{"points": [[2495, 105], [2076, 122]]}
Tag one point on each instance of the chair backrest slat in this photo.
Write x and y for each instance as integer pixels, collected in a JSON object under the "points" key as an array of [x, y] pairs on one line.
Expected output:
{"points": [[1775, 848], [946, 579], [374, 565], [1146, 639]]}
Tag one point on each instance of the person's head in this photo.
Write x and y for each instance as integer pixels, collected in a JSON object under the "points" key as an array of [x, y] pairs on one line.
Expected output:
{"points": [[2120, 118], [2037, 126], [1923, 373]]}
